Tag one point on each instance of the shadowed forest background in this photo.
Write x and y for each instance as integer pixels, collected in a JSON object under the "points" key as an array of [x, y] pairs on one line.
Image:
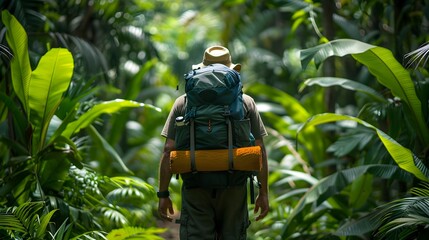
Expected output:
{"points": [[342, 87]]}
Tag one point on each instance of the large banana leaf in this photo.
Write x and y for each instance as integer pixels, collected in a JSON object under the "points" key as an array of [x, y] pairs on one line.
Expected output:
{"points": [[20, 64], [335, 183], [48, 82], [105, 107], [382, 64]]}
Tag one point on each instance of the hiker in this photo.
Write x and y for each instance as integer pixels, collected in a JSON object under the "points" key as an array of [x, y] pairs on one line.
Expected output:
{"points": [[218, 210]]}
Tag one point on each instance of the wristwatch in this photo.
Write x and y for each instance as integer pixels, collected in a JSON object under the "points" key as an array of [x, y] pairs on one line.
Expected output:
{"points": [[163, 194]]}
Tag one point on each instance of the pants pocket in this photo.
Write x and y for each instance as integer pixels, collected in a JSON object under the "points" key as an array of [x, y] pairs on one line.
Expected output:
{"points": [[183, 226]]}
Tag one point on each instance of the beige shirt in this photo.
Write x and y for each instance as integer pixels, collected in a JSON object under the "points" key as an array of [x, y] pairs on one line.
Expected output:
{"points": [[257, 126]]}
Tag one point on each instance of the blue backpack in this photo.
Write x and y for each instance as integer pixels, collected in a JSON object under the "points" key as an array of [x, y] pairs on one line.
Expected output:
{"points": [[213, 118]]}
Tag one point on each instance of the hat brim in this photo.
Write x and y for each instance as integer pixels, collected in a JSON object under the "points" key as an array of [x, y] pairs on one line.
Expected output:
{"points": [[236, 67]]}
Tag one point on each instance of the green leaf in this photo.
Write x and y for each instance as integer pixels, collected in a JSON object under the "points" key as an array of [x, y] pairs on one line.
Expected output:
{"points": [[10, 222], [105, 107], [333, 184], [346, 84], [20, 64], [44, 221], [396, 214], [22, 190], [340, 47], [22, 218], [383, 65], [297, 112], [402, 156], [292, 106], [105, 146], [48, 83], [360, 191], [135, 233]]}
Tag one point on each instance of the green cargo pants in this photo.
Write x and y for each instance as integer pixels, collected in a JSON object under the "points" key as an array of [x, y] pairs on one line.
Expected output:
{"points": [[214, 213]]}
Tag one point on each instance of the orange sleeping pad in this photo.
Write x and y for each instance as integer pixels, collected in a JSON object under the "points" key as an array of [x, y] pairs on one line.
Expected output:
{"points": [[245, 159]]}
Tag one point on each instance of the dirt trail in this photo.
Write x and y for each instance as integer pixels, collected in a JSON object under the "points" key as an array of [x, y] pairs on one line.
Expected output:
{"points": [[172, 228]]}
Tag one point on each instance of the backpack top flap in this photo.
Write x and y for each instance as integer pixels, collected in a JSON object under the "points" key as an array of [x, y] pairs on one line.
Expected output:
{"points": [[215, 84]]}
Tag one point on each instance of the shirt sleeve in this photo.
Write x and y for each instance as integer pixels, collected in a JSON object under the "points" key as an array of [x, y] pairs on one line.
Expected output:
{"points": [[169, 130], [257, 126]]}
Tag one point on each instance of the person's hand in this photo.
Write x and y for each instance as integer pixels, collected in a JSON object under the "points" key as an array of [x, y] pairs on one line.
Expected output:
{"points": [[165, 205], [262, 204]]}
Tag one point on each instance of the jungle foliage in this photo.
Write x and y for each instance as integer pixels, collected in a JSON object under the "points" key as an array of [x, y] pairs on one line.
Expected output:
{"points": [[342, 87]]}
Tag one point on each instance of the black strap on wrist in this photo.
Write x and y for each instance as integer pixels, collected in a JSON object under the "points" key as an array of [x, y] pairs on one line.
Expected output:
{"points": [[163, 194]]}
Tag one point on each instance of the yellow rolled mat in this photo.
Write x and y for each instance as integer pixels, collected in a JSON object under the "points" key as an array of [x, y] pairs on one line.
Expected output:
{"points": [[245, 159]]}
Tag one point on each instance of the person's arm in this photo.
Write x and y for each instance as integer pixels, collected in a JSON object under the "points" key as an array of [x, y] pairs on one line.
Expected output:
{"points": [[165, 203], [262, 201]]}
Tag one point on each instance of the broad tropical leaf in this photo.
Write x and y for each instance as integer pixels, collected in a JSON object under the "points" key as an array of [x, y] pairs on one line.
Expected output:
{"points": [[382, 64], [48, 83], [340, 48], [402, 156], [105, 107], [20, 65], [346, 84]]}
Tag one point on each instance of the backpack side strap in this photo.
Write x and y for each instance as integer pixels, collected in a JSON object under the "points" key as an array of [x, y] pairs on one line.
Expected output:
{"points": [[227, 114], [192, 146]]}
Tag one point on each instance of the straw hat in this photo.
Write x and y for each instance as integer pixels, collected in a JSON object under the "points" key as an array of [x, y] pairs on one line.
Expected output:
{"points": [[217, 54]]}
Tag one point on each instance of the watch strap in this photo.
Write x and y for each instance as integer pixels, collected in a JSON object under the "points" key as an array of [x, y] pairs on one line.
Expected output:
{"points": [[163, 194]]}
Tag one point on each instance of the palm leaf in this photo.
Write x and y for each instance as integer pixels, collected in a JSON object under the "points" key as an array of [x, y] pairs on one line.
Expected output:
{"points": [[20, 65], [91, 235], [333, 184], [389, 217], [134, 182], [418, 57], [25, 219], [48, 83]]}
